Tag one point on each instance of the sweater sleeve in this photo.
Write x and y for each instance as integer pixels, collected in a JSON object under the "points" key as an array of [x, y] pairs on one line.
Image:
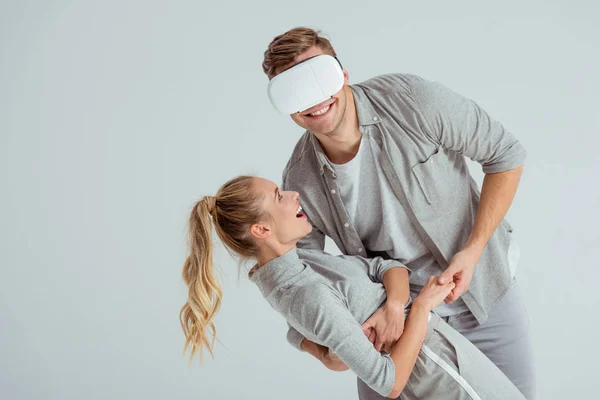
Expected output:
{"points": [[294, 338], [320, 311]]}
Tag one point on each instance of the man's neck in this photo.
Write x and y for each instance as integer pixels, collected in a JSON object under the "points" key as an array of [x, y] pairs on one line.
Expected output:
{"points": [[342, 145]]}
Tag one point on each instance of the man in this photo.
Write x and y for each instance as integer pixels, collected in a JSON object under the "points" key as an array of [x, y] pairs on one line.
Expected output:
{"points": [[381, 170]]}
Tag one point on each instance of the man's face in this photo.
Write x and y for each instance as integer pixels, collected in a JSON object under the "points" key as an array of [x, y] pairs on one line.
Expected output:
{"points": [[325, 117]]}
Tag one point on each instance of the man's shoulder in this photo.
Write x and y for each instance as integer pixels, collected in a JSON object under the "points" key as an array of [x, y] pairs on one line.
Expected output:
{"points": [[387, 84]]}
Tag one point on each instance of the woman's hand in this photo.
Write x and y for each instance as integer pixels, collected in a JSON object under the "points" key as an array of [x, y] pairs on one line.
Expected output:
{"points": [[323, 354], [385, 326], [433, 293]]}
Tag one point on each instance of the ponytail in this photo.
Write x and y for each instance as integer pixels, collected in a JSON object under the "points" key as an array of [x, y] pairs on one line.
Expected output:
{"points": [[204, 291], [235, 208]]}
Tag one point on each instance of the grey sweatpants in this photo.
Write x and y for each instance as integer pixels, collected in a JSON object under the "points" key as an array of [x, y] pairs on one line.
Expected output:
{"points": [[504, 338]]}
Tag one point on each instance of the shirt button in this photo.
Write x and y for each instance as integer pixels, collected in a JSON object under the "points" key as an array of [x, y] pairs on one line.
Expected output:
{"points": [[360, 249], [346, 224], [374, 118], [332, 191]]}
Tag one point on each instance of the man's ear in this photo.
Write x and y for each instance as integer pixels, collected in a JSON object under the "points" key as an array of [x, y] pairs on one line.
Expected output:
{"points": [[346, 77], [260, 231]]}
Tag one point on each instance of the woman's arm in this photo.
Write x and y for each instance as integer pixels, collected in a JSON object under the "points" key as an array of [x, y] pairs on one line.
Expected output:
{"points": [[407, 348], [386, 325]]}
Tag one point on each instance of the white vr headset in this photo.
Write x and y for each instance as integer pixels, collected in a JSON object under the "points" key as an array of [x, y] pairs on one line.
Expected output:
{"points": [[306, 84]]}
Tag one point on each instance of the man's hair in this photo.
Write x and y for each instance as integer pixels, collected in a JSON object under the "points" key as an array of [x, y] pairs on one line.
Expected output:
{"points": [[284, 48]]}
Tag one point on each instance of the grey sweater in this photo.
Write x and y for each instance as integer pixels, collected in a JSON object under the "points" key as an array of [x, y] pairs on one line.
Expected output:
{"points": [[326, 298]]}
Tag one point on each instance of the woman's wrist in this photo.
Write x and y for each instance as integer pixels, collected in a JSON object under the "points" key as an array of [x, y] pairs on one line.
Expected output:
{"points": [[419, 306]]}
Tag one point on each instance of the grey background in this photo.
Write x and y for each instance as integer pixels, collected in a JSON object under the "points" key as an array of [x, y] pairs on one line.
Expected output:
{"points": [[117, 115]]}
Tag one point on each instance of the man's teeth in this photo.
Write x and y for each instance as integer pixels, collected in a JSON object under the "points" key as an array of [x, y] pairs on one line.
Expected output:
{"points": [[321, 111], [299, 211]]}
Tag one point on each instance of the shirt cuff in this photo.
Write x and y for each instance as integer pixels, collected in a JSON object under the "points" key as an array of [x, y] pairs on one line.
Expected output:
{"points": [[511, 160], [295, 338], [389, 264]]}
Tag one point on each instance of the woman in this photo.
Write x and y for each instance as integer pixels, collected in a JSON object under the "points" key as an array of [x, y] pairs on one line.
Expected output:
{"points": [[326, 298]]}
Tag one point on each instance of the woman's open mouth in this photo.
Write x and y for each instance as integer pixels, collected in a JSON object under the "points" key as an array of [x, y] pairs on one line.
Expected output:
{"points": [[300, 213]]}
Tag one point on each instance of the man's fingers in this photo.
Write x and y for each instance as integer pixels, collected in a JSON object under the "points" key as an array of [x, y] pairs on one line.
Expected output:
{"points": [[453, 293], [378, 345], [446, 276]]}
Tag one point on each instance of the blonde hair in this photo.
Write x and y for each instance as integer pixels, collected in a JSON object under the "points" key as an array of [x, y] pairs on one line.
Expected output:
{"points": [[233, 210], [284, 48]]}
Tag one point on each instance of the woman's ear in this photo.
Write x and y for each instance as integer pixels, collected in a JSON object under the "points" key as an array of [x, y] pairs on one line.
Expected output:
{"points": [[346, 77], [260, 231]]}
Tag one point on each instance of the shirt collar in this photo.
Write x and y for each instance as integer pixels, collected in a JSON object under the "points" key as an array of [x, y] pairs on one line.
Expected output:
{"points": [[277, 272], [364, 108], [366, 116]]}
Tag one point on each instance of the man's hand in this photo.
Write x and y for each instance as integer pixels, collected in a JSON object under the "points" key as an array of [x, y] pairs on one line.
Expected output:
{"points": [[432, 294], [385, 326], [460, 271]]}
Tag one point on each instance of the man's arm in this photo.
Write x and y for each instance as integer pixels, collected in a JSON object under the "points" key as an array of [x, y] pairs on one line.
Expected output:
{"points": [[395, 282], [386, 325], [497, 193], [460, 125]]}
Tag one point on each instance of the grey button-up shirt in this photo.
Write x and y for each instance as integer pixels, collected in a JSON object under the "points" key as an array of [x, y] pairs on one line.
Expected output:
{"points": [[425, 131]]}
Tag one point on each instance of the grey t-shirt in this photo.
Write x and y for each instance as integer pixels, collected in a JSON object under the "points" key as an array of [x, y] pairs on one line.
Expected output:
{"points": [[326, 298], [363, 186]]}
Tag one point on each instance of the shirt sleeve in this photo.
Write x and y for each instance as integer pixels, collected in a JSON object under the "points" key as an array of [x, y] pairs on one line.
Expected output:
{"points": [[375, 267], [314, 240], [459, 124], [320, 311]]}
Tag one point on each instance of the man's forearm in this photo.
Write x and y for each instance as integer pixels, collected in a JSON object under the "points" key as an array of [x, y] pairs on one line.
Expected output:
{"points": [[395, 281], [497, 193]]}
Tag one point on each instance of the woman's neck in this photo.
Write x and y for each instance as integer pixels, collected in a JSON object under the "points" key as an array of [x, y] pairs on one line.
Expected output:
{"points": [[270, 251]]}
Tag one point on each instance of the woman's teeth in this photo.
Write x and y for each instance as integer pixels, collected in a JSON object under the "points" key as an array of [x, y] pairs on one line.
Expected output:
{"points": [[320, 112]]}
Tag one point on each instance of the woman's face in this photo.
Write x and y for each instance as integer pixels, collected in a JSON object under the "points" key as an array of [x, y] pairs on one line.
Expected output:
{"points": [[286, 223]]}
